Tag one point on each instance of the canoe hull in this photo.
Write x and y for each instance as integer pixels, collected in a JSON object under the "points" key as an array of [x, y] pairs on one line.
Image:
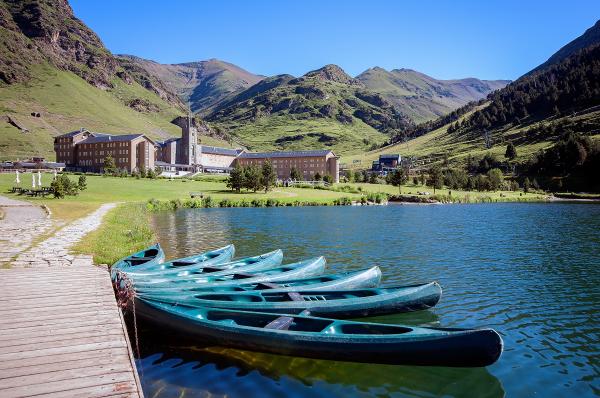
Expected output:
{"points": [[452, 347], [334, 304]]}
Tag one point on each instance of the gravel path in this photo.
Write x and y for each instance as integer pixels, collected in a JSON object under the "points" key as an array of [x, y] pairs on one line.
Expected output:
{"points": [[24, 223]]}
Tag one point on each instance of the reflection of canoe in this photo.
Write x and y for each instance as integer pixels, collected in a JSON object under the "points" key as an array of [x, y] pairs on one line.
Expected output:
{"points": [[301, 269], [333, 303], [211, 257], [348, 280], [149, 257], [328, 338], [199, 273]]}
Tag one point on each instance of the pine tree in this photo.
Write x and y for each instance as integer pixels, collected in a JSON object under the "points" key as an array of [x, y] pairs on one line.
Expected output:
{"points": [[397, 178], [511, 151], [268, 176], [436, 177], [295, 174], [252, 178], [236, 178], [110, 167]]}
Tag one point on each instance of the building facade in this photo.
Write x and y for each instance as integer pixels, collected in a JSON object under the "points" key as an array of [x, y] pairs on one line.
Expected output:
{"points": [[308, 163], [387, 162], [87, 151]]}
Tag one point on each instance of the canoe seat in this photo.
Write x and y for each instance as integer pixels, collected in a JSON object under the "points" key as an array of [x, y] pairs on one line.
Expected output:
{"points": [[281, 323], [242, 275], [212, 269], [295, 296], [266, 285]]}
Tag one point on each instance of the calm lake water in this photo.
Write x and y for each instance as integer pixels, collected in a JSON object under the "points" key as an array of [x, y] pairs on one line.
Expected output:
{"points": [[530, 271]]}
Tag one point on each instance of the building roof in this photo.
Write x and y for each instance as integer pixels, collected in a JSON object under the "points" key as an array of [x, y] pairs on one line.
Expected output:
{"points": [[215, 150], [285, 154], [95, 138], [72, 133], [165, 142], [389, 156]]}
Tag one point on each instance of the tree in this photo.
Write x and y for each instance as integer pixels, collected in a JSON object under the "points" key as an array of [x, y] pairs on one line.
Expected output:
{"points": [[423, 177], [252, 178], [398, 178], [526, 185], [236, 178], [82, 183], [373, 178], [63, 186], [295, 174], [268, 176], [317, 176], [511, 151], [328, 179], [110, 167], [436, 178], [495, 178]]}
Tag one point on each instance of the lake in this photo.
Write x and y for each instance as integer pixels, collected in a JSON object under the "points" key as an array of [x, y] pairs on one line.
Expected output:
{"points": [[530, 271]]}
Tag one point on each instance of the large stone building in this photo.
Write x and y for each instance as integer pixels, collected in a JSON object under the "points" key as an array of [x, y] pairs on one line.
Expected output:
{"points": [[308, 163], [86, 150]]}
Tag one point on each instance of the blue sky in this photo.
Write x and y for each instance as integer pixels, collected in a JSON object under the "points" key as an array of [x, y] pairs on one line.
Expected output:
{"points": [[445, 39]]}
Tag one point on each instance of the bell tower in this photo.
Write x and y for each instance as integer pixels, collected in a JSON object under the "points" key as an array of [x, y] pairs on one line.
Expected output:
{"points": [[189, 143]]}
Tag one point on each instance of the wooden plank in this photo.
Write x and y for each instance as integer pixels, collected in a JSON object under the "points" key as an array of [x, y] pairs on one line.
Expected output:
{"points": [[73, 327], [66, 374], [59, 358], [62, 386], [17, 357], [112, 390], [9, 328], [28, 351], [29, 316], [74, 336]]}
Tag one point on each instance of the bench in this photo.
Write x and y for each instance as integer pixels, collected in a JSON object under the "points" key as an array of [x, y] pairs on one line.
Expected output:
{"points": [[196, 195]]}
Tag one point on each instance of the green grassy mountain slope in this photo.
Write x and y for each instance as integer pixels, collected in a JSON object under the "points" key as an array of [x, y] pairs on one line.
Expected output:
{"points": [[53, 65], [202, 84], [323, 108], [422, 97]]}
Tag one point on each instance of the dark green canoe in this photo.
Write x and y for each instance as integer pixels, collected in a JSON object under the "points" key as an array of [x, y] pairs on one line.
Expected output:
{"points": [[185, 264], [325, 338], [354, 303], [148, 257], [301, 269]]}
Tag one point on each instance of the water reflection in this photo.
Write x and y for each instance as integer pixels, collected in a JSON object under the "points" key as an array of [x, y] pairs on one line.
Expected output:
{"points": [[531, 271]]}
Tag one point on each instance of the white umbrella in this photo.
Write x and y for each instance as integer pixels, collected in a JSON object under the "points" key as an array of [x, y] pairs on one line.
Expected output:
{"points": [[39, 179], [33, 180], [17, 179], [54, 174]]}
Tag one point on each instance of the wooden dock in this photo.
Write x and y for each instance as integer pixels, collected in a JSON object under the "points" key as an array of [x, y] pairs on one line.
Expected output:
{"points": [[62, 335]]}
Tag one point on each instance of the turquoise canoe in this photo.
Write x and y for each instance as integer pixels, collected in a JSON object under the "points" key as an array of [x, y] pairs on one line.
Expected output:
{"points": [[199, 273], [148, 257], [301, 269], [325, 338], [185, 264], [363, 279], [354, 303]]}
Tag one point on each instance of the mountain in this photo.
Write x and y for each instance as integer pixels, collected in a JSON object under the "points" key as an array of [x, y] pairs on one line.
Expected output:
{"points": [[551, 115], [324, 108], [202, 84], [56, 76], [422, 97], [588, 38]]}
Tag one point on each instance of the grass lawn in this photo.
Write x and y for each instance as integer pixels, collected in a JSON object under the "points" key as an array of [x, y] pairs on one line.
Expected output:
{"points": [[113, 189]]}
